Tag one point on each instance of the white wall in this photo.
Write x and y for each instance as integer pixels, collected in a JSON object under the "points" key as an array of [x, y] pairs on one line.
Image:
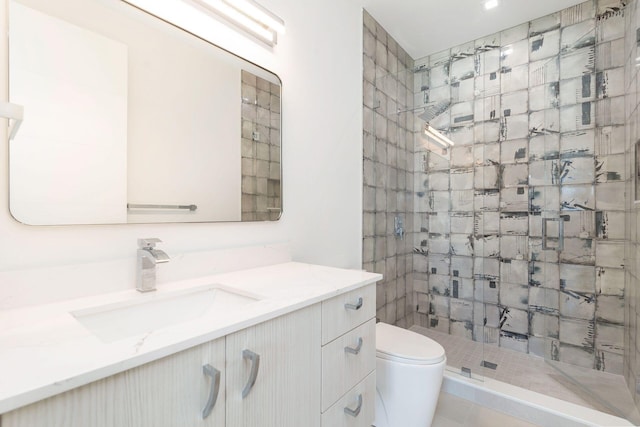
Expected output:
{"points": [[75, 109], [319, 61]]}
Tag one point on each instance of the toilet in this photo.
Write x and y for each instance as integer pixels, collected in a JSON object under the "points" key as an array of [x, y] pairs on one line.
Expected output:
{"points": [[409, 371]]}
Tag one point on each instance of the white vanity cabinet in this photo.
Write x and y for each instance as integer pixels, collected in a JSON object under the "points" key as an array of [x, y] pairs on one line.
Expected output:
{"points": [[173, 391], [301, 355], [286, 392], [349, 359], [168, 392]]}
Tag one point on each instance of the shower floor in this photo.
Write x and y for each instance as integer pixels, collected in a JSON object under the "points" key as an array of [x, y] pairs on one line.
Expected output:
{"points": [[569, 383]]}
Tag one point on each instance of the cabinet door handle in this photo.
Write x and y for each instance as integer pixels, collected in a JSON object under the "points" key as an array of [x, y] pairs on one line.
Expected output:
{"points": [[255, 366], [354, 350], [355, 306], [213, 392], [354, 412]]}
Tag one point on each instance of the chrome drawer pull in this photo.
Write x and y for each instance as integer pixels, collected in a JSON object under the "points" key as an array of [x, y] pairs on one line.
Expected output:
{"points": [[354, 350], [255, 366], [355, 306], [213, 392], [354, 412]]}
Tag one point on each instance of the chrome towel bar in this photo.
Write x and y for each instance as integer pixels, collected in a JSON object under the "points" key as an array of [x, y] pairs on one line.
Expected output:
{"points": [[146, 206]]}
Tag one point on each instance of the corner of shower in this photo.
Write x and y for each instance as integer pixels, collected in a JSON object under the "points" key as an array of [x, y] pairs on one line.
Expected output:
{"points": [[522, 234], [446, 297]]}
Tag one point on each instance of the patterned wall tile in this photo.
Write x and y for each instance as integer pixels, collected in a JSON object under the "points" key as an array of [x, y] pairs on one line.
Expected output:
{"points": [[513, 79], [575, 63], [578, 278], [577, 306], [576, 355], [577, 197], [516, 296], [544, 198], [538, 117], [545, 72], [514, 321], [544, 275], [543, 147], [514, 34], [544, 45], [487, 291], [577, 332]]}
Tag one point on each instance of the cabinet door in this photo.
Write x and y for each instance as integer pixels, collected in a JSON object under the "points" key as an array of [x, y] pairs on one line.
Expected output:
{"points": [[169, 392], [286, 392]]}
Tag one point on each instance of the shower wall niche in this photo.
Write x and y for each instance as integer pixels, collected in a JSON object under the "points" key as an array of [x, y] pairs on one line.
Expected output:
{"points": [[537, 114]]}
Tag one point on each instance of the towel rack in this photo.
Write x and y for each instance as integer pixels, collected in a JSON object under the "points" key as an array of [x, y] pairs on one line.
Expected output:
{"points": [[13, 112], [148, 206]]}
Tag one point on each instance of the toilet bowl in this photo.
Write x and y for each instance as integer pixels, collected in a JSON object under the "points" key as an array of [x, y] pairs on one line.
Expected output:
{"points": [[409, 371]]}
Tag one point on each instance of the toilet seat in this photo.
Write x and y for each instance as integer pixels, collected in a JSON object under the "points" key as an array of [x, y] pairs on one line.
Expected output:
{"points": [[403, 346]]}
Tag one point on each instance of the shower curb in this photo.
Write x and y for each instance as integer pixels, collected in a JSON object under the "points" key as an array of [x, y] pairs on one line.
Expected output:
{"points": [[524, 404]]}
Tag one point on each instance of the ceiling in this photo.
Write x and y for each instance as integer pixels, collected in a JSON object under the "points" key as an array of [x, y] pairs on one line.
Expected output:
{"points": [[423, 27]]}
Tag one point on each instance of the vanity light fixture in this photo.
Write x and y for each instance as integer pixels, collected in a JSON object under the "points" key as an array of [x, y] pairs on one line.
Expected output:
{"points": [[248, 16], [437, 137], [490, 4]]}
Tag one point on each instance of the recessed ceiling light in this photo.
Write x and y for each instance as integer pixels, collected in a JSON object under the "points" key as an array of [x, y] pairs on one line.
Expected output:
{"points": [[490, 4]]}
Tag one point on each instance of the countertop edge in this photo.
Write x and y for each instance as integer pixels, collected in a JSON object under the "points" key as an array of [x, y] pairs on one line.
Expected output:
{"points": [[34, 395]]}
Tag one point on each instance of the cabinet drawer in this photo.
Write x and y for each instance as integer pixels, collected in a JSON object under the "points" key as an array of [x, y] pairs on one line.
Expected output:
{"points": [[336, 415], [341, 369], [345, 312]]}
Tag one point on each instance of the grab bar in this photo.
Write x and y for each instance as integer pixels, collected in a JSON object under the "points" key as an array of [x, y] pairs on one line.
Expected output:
{"points": [[13, 112], [144, 206]]}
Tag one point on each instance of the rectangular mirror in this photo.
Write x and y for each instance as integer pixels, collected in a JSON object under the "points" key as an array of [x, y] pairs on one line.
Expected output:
{"points": [[129, 119]]}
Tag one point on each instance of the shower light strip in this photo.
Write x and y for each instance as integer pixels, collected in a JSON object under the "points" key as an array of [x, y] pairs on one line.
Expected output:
{"points": [[437, 137]]}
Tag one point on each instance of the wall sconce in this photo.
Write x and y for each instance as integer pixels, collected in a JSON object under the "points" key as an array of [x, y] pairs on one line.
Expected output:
{"points": [[246, 15], [437, 137]]}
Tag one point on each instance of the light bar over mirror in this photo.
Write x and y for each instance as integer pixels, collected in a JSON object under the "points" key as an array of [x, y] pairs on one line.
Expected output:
{"points": [[248, 16]]}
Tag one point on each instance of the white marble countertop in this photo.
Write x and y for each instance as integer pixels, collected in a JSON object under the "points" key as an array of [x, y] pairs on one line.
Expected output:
{"points": [[45, 351]]}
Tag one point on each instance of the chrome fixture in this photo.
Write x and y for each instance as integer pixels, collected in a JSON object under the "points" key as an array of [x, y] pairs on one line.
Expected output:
{"points": [[398, 227], [148, 206], [148, 257]]}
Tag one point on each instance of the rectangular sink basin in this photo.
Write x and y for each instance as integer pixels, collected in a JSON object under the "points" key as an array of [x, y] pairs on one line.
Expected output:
{"points": [[150, 312]]}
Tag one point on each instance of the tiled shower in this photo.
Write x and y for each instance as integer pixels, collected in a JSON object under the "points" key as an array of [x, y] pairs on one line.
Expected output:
{"points": [[543, 117]]}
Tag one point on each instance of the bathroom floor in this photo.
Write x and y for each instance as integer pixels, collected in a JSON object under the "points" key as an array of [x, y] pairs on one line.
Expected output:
{"points": [[453, 411], [572, 384]]}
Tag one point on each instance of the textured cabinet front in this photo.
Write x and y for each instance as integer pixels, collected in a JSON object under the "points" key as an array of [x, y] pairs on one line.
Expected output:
{"points": [[343, 369], [168, 392], [345, 312], [286, 392], [359, 403]]}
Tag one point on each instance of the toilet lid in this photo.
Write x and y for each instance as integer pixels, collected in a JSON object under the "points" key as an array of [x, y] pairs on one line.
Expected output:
{"points": [[401, 345]]}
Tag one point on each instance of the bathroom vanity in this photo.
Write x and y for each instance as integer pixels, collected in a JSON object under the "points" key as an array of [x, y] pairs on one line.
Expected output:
{"points": [[285, 345]]}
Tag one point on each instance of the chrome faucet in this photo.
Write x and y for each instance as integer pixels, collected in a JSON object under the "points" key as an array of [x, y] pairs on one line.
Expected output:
{"points": [[148, 257]]}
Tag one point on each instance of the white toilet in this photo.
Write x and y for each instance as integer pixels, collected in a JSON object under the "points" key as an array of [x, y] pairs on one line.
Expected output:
{"points": [[409, 371]]}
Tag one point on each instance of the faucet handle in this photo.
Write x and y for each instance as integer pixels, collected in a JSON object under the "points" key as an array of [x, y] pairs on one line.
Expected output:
{"points": [[148, 243]]}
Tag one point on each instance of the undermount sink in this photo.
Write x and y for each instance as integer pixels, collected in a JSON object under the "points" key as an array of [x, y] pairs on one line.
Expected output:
{"points": [[150, 312]]}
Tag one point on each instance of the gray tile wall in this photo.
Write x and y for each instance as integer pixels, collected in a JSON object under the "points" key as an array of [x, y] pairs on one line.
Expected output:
{"points": [[261, 192], [388, 171], [537, 114], [632, 230]]}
